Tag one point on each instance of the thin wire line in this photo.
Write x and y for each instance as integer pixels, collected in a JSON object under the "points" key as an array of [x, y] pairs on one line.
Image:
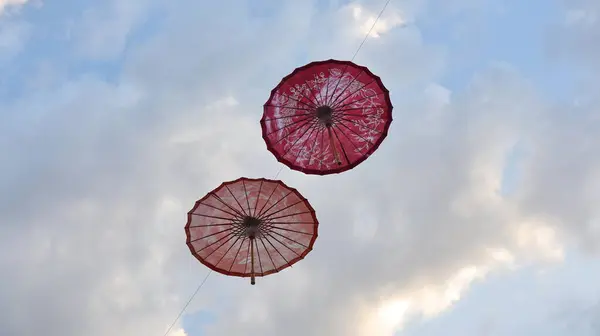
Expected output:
{"points": [[278, 172], [188, 303], [370, 30]]}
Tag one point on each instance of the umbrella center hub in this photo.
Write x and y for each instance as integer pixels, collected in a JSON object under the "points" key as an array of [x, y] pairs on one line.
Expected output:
{"points": [[251, 226], [324, 114]]}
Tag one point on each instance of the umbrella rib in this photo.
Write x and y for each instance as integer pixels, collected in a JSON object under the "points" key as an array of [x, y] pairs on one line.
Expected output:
{"points": [[262, 273], [290, 223], [327, 89], [247, 198], [212, 234], [316, 101], [352, 93], [290, 230], [231, 236], [261, 215], [351, 109], [321, 148], [341, 145], [303, 146], [337, 84], [290, 215], [288, 238], [214, 207], [247, 257], [268, 198], [211, 225], [289, 116], [354, 79], [289, 107], [238, 252], [305, 120], [299, 101], [358, 135], [211, 244], [360, 115], [313, 148], [269, 241], [284, 245], [236, 200], [241, 215], [229, 249], [302, 93], [209, 216], [332, 146], [359, 125], [309, 125], [350, 140], [270, 257], [257, 198], [343, 106]]}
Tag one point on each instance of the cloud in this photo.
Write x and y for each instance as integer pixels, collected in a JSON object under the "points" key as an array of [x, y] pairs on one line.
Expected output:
{"points": [[13, 37], [4, 4], [101, 173]]}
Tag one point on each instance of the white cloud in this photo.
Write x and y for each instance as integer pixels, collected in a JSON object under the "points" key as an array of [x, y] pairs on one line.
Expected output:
{"points": [[13, 37], [101, 175], [4, 4]]}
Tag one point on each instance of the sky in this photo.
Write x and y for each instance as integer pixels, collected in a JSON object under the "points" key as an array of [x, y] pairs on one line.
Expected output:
{"points": [[477, 215]]}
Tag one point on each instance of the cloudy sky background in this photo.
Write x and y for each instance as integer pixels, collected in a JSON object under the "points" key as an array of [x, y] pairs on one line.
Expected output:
{"points": [[477, 216]]}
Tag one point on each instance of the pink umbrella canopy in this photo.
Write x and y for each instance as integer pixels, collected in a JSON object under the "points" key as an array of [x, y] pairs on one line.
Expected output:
{"points": [[251, 228], [326, 117]]}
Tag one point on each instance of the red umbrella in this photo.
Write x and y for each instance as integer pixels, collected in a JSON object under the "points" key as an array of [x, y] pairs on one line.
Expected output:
{"points": [[326, 117], [251, 227]]}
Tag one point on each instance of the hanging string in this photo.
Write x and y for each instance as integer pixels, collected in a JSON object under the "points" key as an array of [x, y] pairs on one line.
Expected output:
{"points": [[278, 172], [371, 30], [188, 303], [356, 52]]}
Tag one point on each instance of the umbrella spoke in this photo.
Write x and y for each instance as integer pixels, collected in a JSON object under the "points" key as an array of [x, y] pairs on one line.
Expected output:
{"points": [[284, 245], [341, 145], [290, 215], [236, 200], [288, 238], [343, 106], [289, 230], [257, 198], [210, 225], [211, 244], [309, 124], [270, 257], [236, 254], [276, 250], [213, 234], [261, 216], [247, 198], [227, 241], [216, 208], [299, 101], [209, 216], [258, 255], [229, 249], [304, 120], [354, 79], [241, 215]]}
